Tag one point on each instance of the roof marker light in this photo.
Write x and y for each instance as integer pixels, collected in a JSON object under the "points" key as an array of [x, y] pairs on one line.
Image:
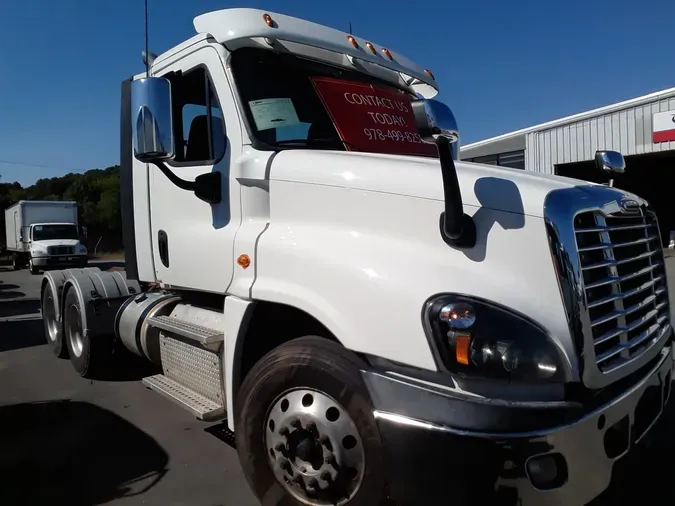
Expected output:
{"points": [[352, 41], [268, 20], [429, 73], [371, 48], [386, 53]]}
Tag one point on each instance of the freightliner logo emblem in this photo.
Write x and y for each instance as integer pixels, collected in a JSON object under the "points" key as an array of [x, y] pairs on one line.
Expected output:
{"points": [[629, 206]]}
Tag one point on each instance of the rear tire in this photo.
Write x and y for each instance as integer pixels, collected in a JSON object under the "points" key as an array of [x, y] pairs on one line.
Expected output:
{"points": [[87, 355], [53, 330], [309, 365]]}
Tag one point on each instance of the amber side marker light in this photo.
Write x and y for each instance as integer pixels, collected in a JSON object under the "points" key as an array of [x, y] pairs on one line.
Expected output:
{"points": [[429, 73], [268, 20], [371, 48], [462, 344], [244, 261], [352, 41], [386, 53]]}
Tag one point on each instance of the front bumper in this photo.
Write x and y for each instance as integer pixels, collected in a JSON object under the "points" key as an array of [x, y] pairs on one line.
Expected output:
{"points": [[445, 450], [60, 261]]}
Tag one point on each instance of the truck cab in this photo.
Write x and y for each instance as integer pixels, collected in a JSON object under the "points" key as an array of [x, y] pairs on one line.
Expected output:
{"points": [[308, 257], [44, 234], [55, 245]]}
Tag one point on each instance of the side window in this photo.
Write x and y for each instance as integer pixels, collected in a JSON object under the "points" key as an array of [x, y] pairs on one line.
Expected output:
{"points": [[199, 126]]}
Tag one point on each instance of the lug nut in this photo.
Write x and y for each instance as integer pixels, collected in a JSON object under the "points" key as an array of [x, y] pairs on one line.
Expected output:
{"points": [[313, 483], [280, 447], [325, 440], [297, 479], [295, 423], [283, 431], [285, 465], [326, 476], [311, 427], [330, 459]]}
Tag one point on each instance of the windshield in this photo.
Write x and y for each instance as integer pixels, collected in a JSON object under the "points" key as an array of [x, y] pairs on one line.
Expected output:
{"points": [[292, 102], [47, 232]]}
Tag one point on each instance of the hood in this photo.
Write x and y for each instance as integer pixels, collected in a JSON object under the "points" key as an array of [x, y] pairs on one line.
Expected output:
{"points": [[57, 242], [486, 186]]}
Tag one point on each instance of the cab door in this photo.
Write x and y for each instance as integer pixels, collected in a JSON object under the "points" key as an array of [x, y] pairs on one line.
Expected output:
{"points": [[192, 240]]}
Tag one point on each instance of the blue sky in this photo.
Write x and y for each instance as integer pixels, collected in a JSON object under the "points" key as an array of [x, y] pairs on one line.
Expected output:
{"points": [[501, 65]]}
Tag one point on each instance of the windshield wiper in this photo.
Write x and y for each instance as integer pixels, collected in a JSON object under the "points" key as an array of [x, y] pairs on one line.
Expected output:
{"points": [[314, 142]]}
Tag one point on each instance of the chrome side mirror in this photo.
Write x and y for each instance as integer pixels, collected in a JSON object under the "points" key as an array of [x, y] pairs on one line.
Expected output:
{"points": [[434, 121], [437, 125], [152, 120], [610, 161]]}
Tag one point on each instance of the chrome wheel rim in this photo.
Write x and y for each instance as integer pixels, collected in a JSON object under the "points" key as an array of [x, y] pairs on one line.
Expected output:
{"points": [[74, 330], [49, 314], [314, 448]]}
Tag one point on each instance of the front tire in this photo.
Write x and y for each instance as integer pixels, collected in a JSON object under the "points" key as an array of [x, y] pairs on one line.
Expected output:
{"points": [[305, 429], [87, 355], [33, 269]]}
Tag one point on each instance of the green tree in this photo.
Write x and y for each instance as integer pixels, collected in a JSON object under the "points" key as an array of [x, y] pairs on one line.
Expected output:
{"points": [[96, 192]]}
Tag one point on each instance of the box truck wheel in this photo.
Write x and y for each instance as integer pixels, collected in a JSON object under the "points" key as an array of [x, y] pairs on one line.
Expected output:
{"points": [[53, 329], [32, 267], [87, 355], [305, 430]]}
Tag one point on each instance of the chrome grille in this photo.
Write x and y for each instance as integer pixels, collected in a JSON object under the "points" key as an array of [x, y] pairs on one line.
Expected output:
{"points": [[624, 283], [61, 250]]}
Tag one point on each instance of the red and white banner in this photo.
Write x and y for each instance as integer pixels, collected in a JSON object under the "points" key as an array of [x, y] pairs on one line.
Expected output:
{"points": [[663, 129], [370, 118]]}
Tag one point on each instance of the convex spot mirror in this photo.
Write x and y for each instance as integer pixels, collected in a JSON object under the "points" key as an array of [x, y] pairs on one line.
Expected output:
{"points": [[434, 121], [610, 161], [151, 119]]}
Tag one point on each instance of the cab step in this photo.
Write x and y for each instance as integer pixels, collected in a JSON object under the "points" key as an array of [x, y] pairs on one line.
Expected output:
{"points": [[203, 335], [202, 407]]}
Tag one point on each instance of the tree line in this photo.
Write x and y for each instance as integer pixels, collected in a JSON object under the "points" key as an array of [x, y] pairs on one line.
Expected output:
{"points": [[97, 193]]}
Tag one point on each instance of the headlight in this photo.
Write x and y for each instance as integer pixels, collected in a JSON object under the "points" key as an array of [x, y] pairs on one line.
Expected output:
{"points": [[38, 251], [474, 337]]}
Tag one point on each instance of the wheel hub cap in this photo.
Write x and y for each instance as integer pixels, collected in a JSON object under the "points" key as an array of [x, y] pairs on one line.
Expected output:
{"points": [[314, 448]]}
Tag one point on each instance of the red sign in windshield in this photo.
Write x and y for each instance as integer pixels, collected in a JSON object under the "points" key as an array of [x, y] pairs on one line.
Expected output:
{"points": [[372, 118]]}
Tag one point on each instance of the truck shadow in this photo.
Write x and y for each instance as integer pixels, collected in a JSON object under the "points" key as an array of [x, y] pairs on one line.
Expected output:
{"points": [[76, 453], [18, 334], [9, 291], [126, 367], [19, 307]]}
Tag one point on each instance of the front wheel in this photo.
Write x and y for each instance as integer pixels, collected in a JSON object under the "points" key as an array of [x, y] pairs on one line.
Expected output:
{"points": [[33, 269], [305, 430]]}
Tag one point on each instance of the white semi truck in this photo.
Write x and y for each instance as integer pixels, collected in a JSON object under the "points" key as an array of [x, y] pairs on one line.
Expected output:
{"points": [[307, 257], [44, 234]]}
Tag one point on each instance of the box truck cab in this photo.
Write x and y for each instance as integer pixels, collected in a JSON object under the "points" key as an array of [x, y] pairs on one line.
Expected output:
{"points": [[44, 234], [308, 258]]}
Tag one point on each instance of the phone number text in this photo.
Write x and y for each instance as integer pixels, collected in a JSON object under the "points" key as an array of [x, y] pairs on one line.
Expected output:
{"points": [[375, 134]]}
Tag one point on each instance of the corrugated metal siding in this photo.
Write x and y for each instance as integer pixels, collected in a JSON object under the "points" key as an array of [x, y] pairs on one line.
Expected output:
{"points": [[628, 131]]}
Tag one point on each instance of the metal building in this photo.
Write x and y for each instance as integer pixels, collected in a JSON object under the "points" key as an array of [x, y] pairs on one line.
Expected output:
{"points": [[643, 129]]}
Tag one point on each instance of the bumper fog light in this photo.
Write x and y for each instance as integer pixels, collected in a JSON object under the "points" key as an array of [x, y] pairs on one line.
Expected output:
{"points": [[547, 472]]}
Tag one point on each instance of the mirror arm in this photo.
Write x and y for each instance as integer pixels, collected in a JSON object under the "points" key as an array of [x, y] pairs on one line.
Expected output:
{"points": [[206, 187], [457, 228]]}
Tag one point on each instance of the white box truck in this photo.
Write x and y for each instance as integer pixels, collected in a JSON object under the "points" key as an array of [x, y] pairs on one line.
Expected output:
{"points": [[44, 234], [309, 259]]}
